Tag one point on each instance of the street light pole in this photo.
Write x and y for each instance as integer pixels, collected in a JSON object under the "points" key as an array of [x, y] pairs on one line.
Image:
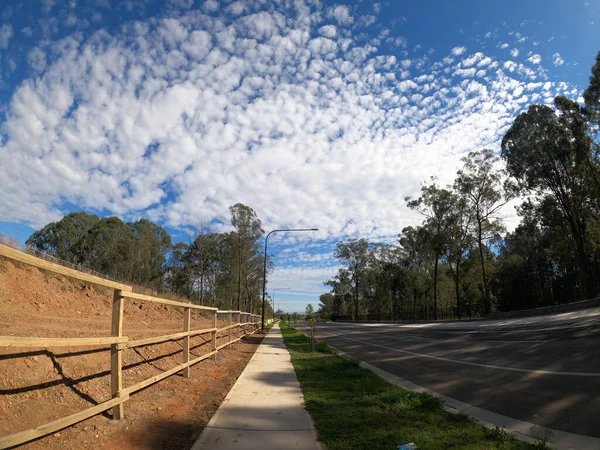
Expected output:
{"points": [[265, 267], [275, 290]]}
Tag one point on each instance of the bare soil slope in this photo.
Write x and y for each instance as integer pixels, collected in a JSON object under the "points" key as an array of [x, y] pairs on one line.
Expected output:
{"points": [[41, 385]]}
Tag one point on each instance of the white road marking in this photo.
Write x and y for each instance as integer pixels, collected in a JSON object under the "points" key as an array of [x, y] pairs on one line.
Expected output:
{"points": [[487, 366], [409, 337]]}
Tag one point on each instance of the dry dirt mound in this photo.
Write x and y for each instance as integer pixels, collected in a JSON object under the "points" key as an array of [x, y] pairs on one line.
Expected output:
{"points": [[41, 385]]}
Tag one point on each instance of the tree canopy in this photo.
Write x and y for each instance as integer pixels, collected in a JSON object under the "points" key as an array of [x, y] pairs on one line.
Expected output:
{"points": [[216, 269]]}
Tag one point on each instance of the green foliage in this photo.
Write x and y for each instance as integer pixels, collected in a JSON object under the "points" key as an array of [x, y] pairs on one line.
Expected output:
{"points": [[439, 208], [592, 94], [220, 269], [354, 255], [63, 239], [132, 252], [354, 409], [551, 155]]}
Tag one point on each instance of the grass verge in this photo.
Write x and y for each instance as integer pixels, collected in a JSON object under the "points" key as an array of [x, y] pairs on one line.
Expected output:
{"points": [[355, 409]]}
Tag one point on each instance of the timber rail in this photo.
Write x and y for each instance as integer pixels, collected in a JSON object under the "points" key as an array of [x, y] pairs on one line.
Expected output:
{"points": [[244, 323]]}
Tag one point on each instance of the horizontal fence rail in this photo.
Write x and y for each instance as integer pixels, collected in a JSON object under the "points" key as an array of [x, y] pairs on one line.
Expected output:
{"points": [[246, 324]]}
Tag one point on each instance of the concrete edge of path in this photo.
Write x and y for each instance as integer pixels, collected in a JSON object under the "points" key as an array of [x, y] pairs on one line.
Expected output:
{"points": [[525, 431], [211, 425]]}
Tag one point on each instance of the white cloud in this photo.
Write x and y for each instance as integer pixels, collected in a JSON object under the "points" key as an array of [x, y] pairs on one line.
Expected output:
{"points": [[341, 14], [504, 46], [328, 31], [557, 59], [27, 31], [485, 62], [398, 41], [465, 72], [457, 51], [535, 59], [47, 4], [472, 60], [36, 59], [211, 5], [6, 33], [71, 20], [514, 52], [510, 65], [306, 126]]}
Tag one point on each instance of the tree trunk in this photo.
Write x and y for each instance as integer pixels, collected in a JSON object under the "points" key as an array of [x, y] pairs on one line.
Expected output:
{"points": [[356, 299], [486, 287], [201, 286], [239, 293], [414, 308], [457, 287], [435, 279]]}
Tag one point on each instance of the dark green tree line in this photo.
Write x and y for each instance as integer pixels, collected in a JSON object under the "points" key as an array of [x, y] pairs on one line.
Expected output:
{"points": [[217, 269]]}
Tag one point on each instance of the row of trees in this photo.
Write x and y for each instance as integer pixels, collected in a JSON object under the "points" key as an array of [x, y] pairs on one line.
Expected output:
{"points": [[460, 261], [224, 270]]}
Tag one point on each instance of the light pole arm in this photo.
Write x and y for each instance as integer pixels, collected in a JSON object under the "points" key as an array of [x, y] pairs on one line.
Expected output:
{"points": [[265, 267], [265, 279]]}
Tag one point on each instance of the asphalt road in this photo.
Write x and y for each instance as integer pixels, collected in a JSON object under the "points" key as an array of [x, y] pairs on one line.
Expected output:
{"points": [[546, 373]]}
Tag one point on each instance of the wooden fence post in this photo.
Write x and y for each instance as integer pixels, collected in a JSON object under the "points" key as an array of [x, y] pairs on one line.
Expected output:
{"points": [[116, 355], [230, 323], [214, 335], [187, 316]]}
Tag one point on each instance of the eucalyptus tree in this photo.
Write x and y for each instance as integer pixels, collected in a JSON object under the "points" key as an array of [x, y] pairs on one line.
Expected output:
{"points": [[437, 206], [591, 95], [415, 252], [149, 258], [341, 287], [460, 241], [550, 154], [480, 182], [354, 255], [247, 232], [63, 239]]}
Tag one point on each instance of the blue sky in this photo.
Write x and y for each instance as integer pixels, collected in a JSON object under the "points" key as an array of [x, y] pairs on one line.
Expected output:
{"points": [[316, 114]]}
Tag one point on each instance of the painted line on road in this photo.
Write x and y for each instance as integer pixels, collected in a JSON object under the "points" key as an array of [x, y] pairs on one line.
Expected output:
{"points": [[408, 337], [483, 327], [486, 366]]}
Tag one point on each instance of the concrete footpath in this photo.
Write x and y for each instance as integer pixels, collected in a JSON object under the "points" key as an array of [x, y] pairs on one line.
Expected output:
{"points": [[265, 407]]}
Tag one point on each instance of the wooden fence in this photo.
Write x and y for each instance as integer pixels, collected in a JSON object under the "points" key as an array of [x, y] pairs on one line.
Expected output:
{"points": [[246, 323]]}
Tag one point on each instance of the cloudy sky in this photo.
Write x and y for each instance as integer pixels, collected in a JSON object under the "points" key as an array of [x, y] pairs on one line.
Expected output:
{"points": [[316, 114]]}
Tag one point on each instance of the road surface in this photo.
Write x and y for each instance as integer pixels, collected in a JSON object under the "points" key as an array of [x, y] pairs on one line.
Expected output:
{"points": [[539, 370]]}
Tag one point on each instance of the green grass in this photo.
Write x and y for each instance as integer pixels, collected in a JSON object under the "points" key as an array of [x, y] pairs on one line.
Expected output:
{"points": [[354, 409]]}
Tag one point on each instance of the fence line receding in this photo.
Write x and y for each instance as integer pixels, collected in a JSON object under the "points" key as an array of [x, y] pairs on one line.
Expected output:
{"points": [[245, 322]]}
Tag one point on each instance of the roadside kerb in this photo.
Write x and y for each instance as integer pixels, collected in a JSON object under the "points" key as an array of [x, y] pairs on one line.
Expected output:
{"points": [[525, 431]]}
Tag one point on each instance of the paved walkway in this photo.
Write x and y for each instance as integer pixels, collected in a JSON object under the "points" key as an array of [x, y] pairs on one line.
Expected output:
{"points": [[265, 408]]}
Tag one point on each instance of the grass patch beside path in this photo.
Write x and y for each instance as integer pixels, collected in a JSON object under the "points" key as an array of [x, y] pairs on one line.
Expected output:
{"points": [[354, 409]]}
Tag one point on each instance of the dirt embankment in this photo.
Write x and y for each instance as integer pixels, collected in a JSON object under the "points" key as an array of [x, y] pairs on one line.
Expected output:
{"points": [[41, 385]]}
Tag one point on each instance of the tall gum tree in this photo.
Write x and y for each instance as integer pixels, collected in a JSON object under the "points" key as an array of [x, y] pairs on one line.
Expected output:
{"points": [[437, 205], [354, 254], [480, 182], [550, 154]]}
